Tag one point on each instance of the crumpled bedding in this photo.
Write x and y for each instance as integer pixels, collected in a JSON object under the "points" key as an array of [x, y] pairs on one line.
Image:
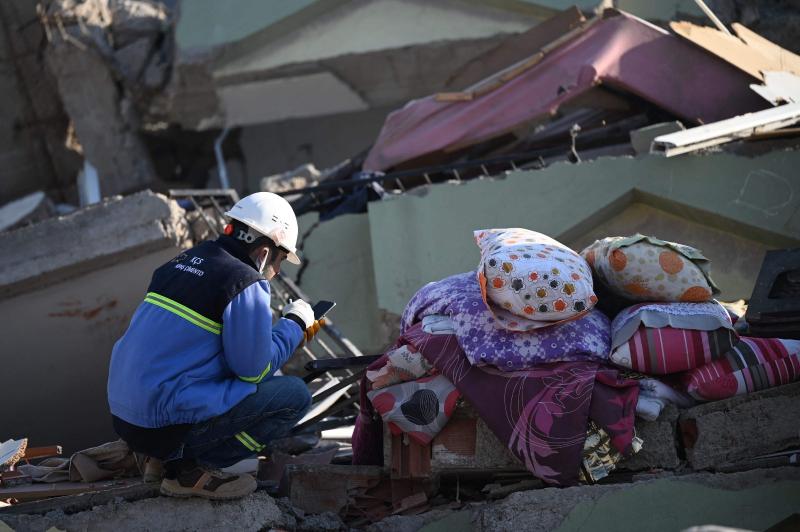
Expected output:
{"points": [[540, 414], [485, 343]]}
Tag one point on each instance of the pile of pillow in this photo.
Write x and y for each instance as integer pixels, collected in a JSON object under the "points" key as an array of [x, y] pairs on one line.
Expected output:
{"points": [[680, 330]]}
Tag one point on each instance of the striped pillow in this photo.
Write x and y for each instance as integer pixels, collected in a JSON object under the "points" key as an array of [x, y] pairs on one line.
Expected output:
{"points": [[659, 351], [753, 364]]}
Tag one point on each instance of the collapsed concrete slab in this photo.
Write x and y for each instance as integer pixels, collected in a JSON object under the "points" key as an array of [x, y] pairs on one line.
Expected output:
{"points": [[672, 503], [98, 236], [724, 432], [68, 288]]}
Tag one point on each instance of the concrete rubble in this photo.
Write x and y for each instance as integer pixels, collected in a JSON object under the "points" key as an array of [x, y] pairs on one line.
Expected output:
{"points": [[725, 432], [106, 58], [770, 493], [79, 277], [578, 170]]}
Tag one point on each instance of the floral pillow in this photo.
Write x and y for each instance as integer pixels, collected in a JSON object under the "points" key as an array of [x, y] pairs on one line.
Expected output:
{"points": [[419, 408], [753, 364], [528, 275], [644, 268]]}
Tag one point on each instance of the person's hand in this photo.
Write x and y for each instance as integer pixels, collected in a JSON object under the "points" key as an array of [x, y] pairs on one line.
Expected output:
{"points": [[312, 331], [301, 311]]}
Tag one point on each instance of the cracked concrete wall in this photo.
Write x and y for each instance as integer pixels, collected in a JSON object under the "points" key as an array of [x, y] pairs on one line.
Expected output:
{"points": [[339, 267], [68, 289], [324, 141]]}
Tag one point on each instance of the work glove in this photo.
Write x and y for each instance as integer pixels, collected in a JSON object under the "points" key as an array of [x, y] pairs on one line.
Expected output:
{"points": [[312, 331], [300, 312]]}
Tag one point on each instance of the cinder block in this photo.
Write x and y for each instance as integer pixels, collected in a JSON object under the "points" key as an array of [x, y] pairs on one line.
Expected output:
{"points": [[659, 450], [724, 432]]}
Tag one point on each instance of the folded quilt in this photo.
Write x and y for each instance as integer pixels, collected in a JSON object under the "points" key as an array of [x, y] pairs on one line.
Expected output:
{"points": [[541, 414], [707, 316], [485, 343]]}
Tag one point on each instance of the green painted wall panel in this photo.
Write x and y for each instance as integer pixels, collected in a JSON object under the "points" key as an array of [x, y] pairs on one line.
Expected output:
{"points": [[427, 234]]}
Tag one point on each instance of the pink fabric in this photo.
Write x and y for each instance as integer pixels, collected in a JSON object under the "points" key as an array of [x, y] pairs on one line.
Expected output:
{"points": [[660, 351], [753, 364], [620, 51]]}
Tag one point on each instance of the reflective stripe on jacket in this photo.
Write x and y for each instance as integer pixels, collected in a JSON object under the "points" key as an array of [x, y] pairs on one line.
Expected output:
{"points": [[200, 341]]}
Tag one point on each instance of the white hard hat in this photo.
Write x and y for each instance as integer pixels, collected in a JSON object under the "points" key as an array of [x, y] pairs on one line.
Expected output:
{"points": [[270, 215]]}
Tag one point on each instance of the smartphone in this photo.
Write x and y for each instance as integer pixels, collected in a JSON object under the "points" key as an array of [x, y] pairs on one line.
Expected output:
{"points": [[321, 309]]}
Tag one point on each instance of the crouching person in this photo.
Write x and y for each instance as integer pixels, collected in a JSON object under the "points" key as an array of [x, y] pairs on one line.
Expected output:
{"points": [[191, 382]]}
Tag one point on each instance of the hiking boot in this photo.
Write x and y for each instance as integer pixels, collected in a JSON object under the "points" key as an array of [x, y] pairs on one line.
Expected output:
{"points": [[209, 484]]}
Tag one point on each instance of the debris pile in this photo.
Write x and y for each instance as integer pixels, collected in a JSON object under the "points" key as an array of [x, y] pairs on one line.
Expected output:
{"points": [[606, 86]]}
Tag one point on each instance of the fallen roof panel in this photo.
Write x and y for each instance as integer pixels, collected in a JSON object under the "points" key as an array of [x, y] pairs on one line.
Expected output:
{"points": [[619, 50], [726, 130]]}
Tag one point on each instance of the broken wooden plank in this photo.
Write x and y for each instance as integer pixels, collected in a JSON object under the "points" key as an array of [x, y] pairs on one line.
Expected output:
{"points": [[735, 128], [85, 501], [38, 491], [32, 453], [785, 60], [750, 58]]}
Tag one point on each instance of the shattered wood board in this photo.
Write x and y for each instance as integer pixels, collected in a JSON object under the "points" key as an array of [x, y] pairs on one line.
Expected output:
{"points": [[70, 504], [716, 133], [752, 59], [32, 492], [786, 60]]}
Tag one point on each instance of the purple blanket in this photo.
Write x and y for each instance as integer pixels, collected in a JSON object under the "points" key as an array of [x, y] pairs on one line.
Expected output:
{"points": [[485, 342], [541, 414]]}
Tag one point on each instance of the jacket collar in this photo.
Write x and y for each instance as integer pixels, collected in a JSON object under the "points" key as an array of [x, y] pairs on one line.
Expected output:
{"points": [[237, 249]]}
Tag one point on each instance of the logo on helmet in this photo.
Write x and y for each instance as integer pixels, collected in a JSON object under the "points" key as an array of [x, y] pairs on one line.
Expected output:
{"points": [[246, 236]]}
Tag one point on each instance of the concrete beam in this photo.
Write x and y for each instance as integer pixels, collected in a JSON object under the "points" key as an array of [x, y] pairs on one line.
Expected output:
{"points": [[743, 427], [754, 500], [92, 238]]}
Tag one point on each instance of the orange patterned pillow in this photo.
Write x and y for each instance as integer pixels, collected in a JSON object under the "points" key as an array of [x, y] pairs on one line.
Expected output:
{"points": [[528, 275], [644, 268]]}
